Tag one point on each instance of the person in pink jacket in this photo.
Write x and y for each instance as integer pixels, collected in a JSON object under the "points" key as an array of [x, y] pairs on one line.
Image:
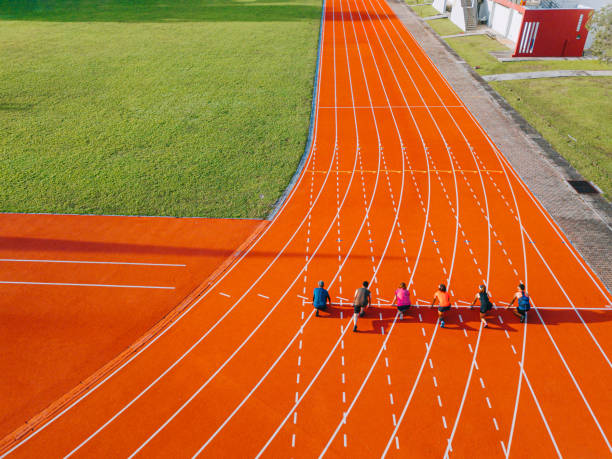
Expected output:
{"points": [[402, 299]]}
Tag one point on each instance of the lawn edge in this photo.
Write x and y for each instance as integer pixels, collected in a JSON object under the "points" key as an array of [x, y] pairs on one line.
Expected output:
{"points": [[315, 89]]}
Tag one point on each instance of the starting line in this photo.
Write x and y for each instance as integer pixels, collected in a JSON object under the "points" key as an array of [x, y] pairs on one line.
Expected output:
{"points": [[454, 306]]}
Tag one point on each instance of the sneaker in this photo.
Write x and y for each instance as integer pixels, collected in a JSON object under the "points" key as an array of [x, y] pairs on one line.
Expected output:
{"points": [[486, 325], [401, 316], [355, 328], [317, 313], [522, 319], [441, 324]]}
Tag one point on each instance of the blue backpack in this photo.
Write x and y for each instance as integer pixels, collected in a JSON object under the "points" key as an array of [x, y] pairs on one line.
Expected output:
{"points": [[523, 303]]}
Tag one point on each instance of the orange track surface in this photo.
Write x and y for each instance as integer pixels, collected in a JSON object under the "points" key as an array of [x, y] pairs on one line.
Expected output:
{"points": [[54, 336], [401, 185]]}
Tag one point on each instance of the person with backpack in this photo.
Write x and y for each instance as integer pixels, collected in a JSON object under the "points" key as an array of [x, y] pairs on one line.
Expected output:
{"points": [[485, 304], [320, 298], [363, 298], [402, 299], [523, 303], [444, 305]]}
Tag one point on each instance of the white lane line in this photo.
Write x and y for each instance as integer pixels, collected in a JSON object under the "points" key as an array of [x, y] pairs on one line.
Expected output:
{"points": [[416, 381], [569, 371], [210, 289], [570, 301], [224, 294], [465, 391], [70, 284], [263, 296], [324, 364], [18, 260]]}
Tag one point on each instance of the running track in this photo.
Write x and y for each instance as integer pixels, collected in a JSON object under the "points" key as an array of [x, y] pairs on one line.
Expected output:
{"points": [[401, 184]]}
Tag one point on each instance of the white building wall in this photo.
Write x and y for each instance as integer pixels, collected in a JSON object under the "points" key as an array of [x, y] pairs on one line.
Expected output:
{"points": [[439, 5], [516, 20], [457, 15], [499, 21]]}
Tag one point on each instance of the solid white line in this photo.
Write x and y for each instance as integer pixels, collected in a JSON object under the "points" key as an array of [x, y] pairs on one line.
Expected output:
{"points": [[68, 284], [465, 391], [570, 301], [380, 260], [518, 392], [550, 434], [91, 262], [569, 371], [416, 381], [274, 364], [210, 289]]}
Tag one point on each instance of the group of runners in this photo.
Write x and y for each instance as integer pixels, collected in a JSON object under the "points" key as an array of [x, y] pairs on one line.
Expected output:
{"points": [[363, 300]]}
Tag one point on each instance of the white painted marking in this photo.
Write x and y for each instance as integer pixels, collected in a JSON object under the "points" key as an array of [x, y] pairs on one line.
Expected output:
{"points": [[513, 349], [482, 383], [465, 332], [293, 441], [389, 379], [495, 422], [69, 284], [488, 402], [470, 346], [439, 401], [345, 440], [391, 398], [444, 422], [19, 260], [435, 381], [431, 363]]}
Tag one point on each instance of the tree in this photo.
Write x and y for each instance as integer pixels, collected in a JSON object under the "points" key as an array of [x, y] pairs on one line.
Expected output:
{"points": [[601, 25]]}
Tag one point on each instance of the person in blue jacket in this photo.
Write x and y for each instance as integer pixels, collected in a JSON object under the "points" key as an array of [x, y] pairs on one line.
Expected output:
{"points": [[320, 298]]}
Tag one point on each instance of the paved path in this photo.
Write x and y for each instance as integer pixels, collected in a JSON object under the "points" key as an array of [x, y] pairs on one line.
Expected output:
{"points": [[547, 74]]}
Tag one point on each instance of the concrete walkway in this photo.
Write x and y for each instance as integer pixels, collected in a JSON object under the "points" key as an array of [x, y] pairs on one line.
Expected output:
{"points": [[585, 219], [437, 16], [547, 74]]}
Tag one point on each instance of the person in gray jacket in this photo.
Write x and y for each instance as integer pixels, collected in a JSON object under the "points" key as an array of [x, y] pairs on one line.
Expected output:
{"points": [[363, 299]]}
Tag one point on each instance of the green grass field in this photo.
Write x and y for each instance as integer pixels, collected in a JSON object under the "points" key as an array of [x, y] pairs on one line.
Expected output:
{"points": [[144, 107], [562, 107], [444, 27], [424, 10]]}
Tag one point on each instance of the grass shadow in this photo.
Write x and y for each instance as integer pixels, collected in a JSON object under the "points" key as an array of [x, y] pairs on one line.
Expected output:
{"points": [[159, 10], [14, 106]]}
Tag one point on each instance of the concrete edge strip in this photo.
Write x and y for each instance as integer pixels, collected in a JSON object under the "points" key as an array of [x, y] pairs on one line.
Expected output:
{"points": [[547, 74], [281, 200]]}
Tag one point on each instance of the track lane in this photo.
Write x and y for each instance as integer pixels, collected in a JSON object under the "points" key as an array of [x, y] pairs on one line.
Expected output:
{"points": [[535, 220]]}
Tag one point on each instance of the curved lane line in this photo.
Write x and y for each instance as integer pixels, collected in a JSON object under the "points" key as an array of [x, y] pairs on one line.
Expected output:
{"points": [[195, 303]]}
